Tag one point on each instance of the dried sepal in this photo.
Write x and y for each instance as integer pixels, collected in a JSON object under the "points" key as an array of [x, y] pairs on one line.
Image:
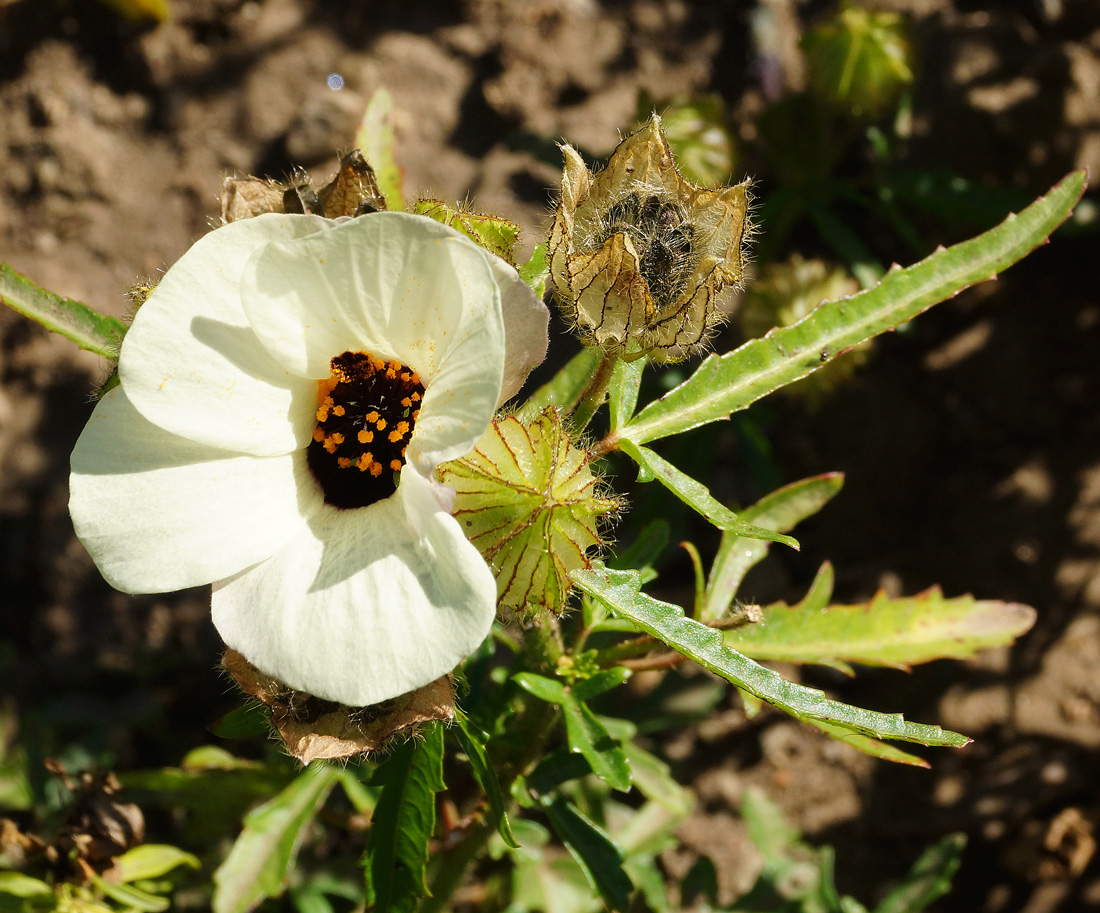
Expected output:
{"points": [[315, 729], [352, 192], [640, 256], [531, 503]]}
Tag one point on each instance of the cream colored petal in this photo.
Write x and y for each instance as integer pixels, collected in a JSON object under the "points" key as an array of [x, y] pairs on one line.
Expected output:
{"points": [[192, 365], [158, 512], [359, 607]]}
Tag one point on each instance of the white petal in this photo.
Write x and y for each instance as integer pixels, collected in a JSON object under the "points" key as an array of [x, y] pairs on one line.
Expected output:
{"points": [[191, 364], [358, 608], [526, 326], [397, 286], [158, 512]]}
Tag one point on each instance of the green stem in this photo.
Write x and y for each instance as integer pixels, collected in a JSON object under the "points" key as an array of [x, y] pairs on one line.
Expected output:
{"points": [[542, 642], [594, 394]]}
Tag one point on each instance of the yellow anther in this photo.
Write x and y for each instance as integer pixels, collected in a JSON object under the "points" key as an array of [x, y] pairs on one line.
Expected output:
{"points": [[338, 438], [380, 424], [318, 435], [395, 465], [406, 402], [371, 416], [376, 469], [337, 410], [343, 462], [415, 397], [365, 437], [330, 445]]}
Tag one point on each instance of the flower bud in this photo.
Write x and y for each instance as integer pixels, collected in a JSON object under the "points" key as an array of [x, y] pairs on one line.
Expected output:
{"points": [[531, 504], [640, 256]]}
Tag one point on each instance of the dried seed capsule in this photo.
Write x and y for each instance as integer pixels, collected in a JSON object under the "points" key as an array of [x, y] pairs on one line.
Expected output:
{"points": [[640, 256]]}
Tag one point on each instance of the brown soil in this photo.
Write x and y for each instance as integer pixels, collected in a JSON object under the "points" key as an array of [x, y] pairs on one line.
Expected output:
{"points": [[971, 442]]}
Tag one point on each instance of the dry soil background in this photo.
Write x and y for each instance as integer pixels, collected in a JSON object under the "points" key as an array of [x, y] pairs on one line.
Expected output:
{"points": [[971, 444]]}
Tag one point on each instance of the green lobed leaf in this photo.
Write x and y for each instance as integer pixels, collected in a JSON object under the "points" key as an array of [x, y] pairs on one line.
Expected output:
{"points": [[152, 860], [696, 496], [620, 592], [597, 853], [74, 320], [587, 736], [258, 864], [404, 818], [929, 879], [882, 632], [724, 384], [375, 138], [473, 744], [564, 389]]}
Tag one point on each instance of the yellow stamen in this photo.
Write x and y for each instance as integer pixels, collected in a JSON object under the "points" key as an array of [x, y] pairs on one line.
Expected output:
{"points": [[365, 437]]}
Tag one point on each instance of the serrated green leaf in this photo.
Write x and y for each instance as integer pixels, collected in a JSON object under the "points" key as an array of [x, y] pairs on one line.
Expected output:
{"points": [[375, 138], [545, 689], [597, 853], [151, 860], [404, 818], [74, 320], [696, 496], [258, 864], [882, 632], [564, 389], [723, 384], [472, 743], [928, 879], [587, 736], [781, 510], [620, 592], [622, 394]]}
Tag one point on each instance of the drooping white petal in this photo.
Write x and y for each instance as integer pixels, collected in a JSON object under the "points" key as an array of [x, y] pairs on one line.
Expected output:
{"points": [[526, 328], [158, 512], [359, 607], [397, 286], [191, 364]]}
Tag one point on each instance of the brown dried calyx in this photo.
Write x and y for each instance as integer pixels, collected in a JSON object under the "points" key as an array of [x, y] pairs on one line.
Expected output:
{"points": [[313, 728], [353, 192], [639, 255]]}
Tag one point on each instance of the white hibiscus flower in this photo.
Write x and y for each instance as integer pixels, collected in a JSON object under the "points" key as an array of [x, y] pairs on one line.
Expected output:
{"points": [[271, 388]]}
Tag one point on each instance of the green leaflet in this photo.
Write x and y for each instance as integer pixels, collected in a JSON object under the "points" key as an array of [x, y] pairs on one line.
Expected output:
{"points": [[404, 818], [472, 742], [258, 864], [565, 388], [375, 138], [726, 383], [781, 510], [882, 632], [929, 878], [72, 319], [597, 853], [587, 736], [696, 496], [620, 592], [152, 860], [626, 381], [884, 751]]}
